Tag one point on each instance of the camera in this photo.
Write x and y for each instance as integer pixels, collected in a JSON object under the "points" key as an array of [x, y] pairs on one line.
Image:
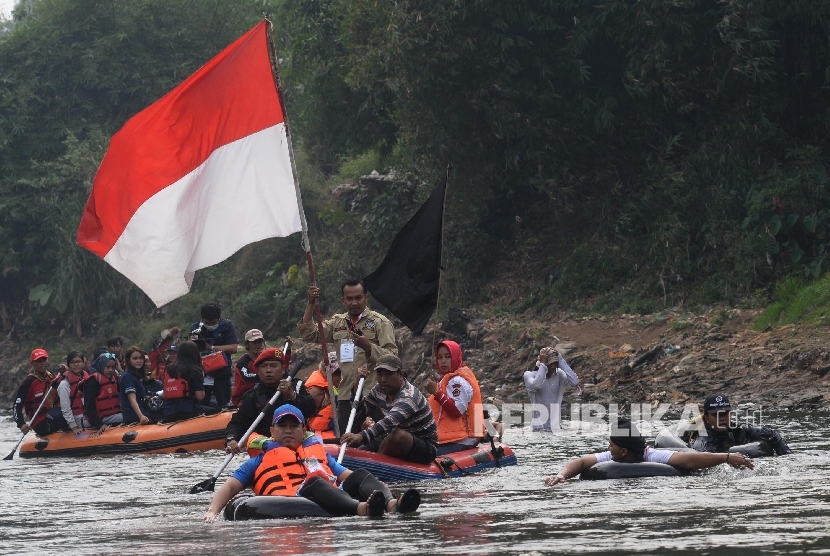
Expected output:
{"points": [[196, 332]]}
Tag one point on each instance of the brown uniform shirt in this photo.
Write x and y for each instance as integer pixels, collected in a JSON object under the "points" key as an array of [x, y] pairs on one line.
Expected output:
{"points": [[374, 326]]}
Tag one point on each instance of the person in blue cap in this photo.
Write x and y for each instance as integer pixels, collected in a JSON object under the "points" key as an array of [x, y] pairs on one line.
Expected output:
{"points": [[294, 462]]}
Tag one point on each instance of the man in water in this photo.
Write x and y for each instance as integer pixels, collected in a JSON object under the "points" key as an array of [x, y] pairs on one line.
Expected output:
{"points": [[627, 446], [360, 336], [714, 431], [546, 386], [295, 463], [397, 419]]}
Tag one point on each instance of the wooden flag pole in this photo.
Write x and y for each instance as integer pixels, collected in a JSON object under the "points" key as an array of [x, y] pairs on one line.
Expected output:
{"points": [[321, 336]]}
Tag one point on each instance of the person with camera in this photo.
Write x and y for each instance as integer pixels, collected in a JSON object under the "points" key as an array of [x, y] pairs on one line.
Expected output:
{"points": [[360, 337], [546, 386], [217, 341], [132, 393]]}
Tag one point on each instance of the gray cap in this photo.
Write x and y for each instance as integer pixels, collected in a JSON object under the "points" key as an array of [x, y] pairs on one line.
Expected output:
{"points": [[389, 362]]}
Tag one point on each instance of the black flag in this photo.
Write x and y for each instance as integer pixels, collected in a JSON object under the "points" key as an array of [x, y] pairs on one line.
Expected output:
{"points": [[406, 282]]}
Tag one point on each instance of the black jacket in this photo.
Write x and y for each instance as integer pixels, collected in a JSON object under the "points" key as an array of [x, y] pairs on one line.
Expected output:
{"points": [[744, 433], [251, 406]]}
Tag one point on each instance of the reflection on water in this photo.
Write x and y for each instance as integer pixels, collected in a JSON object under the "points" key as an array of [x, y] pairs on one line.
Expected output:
{"points": [[139, 504]]}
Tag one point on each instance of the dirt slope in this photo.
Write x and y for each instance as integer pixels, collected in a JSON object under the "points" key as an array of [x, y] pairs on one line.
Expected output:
{"points": [[784, 368]]}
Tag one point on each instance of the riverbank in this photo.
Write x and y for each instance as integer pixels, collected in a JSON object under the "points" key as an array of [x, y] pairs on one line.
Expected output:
{"points": [[671, 357]]}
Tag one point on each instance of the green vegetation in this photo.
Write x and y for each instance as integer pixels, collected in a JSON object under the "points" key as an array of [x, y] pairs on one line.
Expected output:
{"points": [[608, 156], [797, 302]]}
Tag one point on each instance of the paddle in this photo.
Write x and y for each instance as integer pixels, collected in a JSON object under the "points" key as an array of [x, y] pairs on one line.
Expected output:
{"points": [[210, 484], [29, 424], [351, 417]]}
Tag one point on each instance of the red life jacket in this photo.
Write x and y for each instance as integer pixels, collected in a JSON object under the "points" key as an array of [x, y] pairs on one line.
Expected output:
{"points": [[37, 389], [175, 388], [76, 390], [107, 402], [283, 470], [242, 382]]}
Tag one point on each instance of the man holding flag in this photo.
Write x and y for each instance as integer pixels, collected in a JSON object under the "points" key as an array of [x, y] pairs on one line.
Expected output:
{"points": [[360, 337]]}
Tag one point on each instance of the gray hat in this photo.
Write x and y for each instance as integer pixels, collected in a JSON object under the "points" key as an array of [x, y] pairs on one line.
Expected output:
{"points": [[389, 362]]}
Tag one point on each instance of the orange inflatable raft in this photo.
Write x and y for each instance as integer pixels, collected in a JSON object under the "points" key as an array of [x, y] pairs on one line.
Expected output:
{"points": [[206, 432]]}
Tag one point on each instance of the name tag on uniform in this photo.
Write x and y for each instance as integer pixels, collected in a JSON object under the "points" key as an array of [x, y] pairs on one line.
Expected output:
{"points": [[346, 350]]}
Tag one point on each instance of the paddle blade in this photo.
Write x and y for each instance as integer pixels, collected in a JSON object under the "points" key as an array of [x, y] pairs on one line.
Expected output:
{"points": [[10, 456], [204, 486]]}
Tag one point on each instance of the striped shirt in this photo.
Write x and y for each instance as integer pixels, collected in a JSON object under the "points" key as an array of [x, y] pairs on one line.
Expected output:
{"points": [[409, 411]]}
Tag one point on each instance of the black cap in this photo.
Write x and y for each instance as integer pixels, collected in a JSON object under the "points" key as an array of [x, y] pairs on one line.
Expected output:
{"points": [[716, 402], [629, 437]]}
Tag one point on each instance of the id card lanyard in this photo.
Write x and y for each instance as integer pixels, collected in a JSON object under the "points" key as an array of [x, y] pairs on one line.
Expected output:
{"points": [[347, 344]]}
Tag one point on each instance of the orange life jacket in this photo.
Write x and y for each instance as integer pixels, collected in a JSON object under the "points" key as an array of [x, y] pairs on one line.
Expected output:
{"points": [[283, 470], [37, 389], [107, 402], [175, 388], [452, 429], [321, 423], [76, 390]]}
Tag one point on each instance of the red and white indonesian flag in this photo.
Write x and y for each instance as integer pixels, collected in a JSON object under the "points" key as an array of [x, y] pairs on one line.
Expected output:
{"points": [[196, 176]]}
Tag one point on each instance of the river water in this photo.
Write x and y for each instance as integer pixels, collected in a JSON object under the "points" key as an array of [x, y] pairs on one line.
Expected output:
{"points": [[138, 504]]}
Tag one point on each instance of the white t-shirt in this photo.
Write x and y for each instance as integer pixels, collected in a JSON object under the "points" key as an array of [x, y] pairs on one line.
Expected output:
{"points": [[460, 391], [546, 392], [651, 455]]}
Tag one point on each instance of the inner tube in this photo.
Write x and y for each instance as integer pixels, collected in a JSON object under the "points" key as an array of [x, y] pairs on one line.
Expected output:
{"points": [[758, 449], [667, 439], [249, 507], [616, 470]]}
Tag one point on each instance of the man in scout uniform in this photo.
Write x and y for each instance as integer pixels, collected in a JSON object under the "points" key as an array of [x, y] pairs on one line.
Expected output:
{"points": [[359, 336]]}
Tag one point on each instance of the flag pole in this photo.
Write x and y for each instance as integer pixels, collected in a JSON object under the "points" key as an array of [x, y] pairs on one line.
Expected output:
{"points": [[441, 252], [272, 52]]}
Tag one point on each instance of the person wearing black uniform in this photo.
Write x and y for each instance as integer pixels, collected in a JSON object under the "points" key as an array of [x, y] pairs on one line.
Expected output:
{"points": [[720, 435], [273, 376]]}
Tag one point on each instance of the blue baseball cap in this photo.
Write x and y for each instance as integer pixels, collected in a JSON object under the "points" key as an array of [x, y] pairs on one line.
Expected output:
{"points": [[287, 409]]}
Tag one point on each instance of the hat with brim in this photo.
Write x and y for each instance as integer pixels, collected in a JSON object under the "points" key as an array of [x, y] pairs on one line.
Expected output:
{"points": [[317, 379], [389, 362], [38, 353], [715, 403], [287, 410], [253, 334]]}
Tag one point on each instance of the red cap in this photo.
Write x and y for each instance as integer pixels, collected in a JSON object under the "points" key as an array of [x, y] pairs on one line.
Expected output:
{"points": [[38, 353], [269, 354]]}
